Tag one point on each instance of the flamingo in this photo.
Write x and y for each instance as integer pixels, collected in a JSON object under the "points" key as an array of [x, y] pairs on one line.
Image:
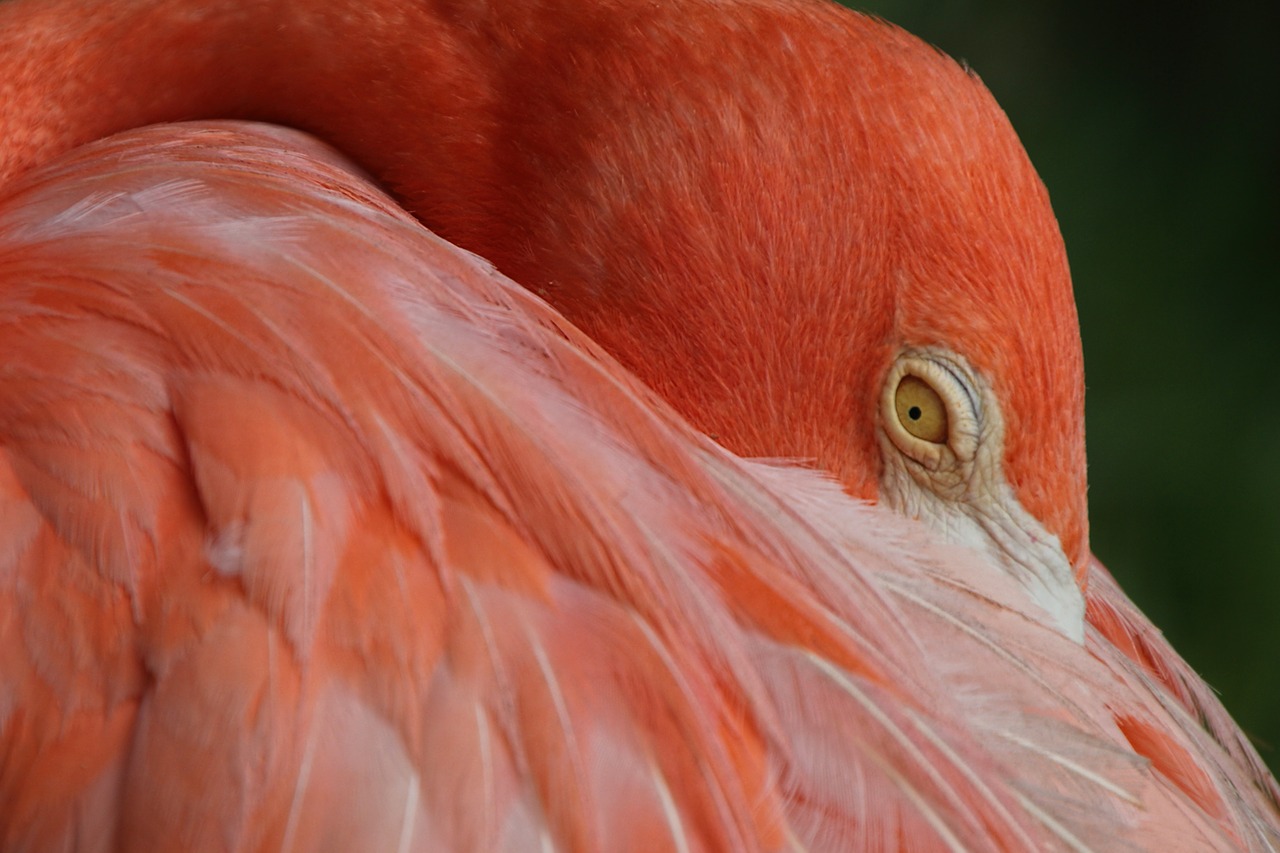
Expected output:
{"points": [[565, 425]]}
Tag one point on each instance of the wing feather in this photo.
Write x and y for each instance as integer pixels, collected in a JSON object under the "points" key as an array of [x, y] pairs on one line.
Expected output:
{"points": [[320, 534]]}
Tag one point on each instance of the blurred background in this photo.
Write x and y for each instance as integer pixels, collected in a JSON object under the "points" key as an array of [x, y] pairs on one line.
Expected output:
{"points": [[1157, 132]]}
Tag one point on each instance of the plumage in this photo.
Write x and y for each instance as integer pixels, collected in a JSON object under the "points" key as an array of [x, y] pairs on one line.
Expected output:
{"points": [[322, 533]]}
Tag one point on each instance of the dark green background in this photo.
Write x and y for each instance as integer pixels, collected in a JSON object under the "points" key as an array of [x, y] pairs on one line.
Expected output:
{"points": [[1157, 132]]}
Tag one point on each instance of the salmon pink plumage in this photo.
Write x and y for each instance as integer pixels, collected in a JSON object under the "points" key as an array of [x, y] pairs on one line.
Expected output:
{"points": [[648, 426]]}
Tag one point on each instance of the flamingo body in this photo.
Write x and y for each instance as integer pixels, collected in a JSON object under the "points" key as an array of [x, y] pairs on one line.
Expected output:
{"points": [[321, 533]]}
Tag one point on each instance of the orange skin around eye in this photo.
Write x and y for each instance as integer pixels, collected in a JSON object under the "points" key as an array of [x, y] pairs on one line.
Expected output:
{"points": [[337, 515]]}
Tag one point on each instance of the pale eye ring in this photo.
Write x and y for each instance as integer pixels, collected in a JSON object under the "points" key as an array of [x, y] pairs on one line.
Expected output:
{"points": [[929, 408]]}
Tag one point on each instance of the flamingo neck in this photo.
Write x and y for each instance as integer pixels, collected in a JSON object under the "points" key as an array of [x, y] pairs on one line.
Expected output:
{"points": [[393, 84]]}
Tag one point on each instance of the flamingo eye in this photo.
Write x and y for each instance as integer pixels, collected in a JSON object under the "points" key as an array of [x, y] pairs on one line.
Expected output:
{"points": [[920, 410], [931, 409]]}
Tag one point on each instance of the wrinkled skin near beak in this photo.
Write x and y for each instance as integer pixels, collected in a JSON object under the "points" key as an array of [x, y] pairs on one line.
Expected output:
{"points": [[943, 451]]}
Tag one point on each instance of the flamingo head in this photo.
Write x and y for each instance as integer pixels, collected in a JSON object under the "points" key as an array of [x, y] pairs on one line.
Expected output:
{"points": [[841, 256]]}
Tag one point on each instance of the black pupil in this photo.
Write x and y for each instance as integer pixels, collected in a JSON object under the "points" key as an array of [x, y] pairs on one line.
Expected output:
{"points": [[914, 413]]}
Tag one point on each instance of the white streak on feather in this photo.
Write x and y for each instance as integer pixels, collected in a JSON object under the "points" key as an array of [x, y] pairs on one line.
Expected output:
{"points": [[925, 810], [1053, 826], [793, 843], [486, 768], [410, 814], [224, 551], [308, 569], [903, 591], [963, 766], [232, 331], [333, 286], [557, 696], [407, 487], [83, 215], [678, 675], [360, 307], [931, 816], [440, 357], [300, 790], [768, 503], [1079, 769], [1074, 767], [413, 386], [486, 630], [98, 211], [131, 561], [1261, 829], [669, 810]]}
